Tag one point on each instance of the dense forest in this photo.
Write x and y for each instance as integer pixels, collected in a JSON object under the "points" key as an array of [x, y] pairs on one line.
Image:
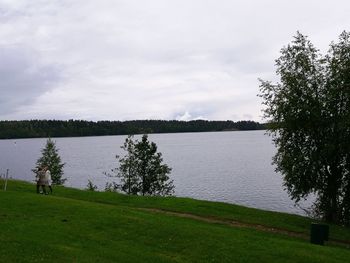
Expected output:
{"points": [[72, 128]]}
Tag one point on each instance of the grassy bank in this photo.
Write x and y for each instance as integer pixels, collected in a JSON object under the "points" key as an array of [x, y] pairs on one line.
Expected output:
{"points": [[80, 226]]}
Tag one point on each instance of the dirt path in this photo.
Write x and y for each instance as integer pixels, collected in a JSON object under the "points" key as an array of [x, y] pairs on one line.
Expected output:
{"points": [[233, 223]]}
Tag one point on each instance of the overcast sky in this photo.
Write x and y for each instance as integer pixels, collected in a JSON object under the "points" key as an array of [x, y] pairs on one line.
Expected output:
{"points": [[154, 59]]}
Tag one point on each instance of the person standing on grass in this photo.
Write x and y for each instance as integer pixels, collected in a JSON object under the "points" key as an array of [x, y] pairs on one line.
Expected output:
{"points": [[48, 179], [40, 181]]}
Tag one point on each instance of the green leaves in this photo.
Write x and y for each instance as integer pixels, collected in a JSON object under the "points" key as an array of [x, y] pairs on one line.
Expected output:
{"points": [[141, 170], [309, 111], [51, 159]]}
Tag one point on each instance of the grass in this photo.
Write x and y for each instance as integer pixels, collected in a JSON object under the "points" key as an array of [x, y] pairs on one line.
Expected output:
{"points": [[81, 226]]}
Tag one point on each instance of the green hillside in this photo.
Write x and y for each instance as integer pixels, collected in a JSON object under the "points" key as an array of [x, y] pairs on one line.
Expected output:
{"points": [[81, 226]]}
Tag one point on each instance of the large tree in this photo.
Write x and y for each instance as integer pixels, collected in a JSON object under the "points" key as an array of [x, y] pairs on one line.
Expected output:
{"points": [[141, 170], [309, 114], [51, 159]]}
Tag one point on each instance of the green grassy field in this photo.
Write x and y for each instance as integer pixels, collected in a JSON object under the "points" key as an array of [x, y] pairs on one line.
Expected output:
{"points": [[80, 226]]}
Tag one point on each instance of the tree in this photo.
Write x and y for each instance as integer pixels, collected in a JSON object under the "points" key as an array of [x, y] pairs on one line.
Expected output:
{"points": [[127, 170], [91, 186], [71, 128], [52, 160], [141, 170], [309, 115]]}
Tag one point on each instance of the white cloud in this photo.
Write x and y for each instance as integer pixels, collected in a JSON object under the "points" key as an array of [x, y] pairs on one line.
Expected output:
{"points": [[184, 117], [131, 59]]}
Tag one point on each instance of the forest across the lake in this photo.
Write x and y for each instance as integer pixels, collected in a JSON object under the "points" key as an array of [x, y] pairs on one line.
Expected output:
{"points": [[74, 128]]}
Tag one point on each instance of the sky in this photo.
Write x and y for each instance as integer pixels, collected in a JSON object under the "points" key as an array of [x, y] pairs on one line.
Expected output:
{"points": [[154, 59]]}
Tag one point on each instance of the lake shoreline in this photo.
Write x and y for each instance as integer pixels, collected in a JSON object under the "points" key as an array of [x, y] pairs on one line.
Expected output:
{"points": [[79, 128], [136, 134], [232, 167]]}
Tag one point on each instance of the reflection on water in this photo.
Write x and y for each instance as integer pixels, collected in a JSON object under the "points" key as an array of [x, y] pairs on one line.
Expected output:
{"points": [[233, 167]]}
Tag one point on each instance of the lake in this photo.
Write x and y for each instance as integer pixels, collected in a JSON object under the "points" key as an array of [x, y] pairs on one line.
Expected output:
{"points": [[233, 167]]}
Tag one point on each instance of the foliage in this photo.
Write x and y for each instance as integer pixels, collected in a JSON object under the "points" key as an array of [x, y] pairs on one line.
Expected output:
{"points": [[309, 112], [71, 128], [111, 186], [141, 170], [51, 159], [91, 186]]}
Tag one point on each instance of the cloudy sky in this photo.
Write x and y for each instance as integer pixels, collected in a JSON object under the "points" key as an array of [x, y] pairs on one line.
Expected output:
{"points": [[154, 59]]}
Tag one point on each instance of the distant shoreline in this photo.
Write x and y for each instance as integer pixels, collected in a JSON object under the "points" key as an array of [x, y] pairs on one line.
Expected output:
{"points": [[155, 133], [79, 128]]}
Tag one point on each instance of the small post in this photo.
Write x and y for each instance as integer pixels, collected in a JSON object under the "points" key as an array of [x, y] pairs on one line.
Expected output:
{"points": [[7, 175]]}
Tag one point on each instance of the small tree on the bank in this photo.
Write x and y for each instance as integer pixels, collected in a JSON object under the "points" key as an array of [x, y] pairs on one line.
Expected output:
{"points": [[309, 112], [91, 186], [51, 159], [141, 171]]}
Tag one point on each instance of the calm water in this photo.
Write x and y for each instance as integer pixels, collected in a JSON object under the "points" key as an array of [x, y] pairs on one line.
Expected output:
{"points": [[233, 167]]}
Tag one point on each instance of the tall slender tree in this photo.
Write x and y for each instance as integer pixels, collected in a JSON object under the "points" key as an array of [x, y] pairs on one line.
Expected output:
{"points": [[51, 159], [127, 170]]}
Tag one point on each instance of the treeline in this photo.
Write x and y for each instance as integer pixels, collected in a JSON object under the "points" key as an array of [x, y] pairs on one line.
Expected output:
{"points": [[73, 128]]}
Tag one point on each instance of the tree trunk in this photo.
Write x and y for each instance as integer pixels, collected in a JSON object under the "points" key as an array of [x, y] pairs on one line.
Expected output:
{"points": [[331, 213], [332, 207]]}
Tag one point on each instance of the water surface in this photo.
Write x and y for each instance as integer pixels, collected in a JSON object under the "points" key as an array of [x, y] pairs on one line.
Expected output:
{"points": [[233, 167]]}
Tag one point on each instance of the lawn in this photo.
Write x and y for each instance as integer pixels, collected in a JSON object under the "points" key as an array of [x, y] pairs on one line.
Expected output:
{"points": [[81, 226]]}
